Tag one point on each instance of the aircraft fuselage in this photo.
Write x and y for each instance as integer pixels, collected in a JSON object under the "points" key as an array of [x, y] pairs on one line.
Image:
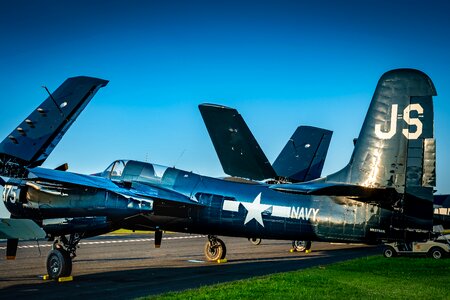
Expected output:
{"points": [[216, 206]]}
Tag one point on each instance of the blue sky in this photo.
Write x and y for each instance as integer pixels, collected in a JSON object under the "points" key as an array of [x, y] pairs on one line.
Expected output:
{"points": [[280, 63]]}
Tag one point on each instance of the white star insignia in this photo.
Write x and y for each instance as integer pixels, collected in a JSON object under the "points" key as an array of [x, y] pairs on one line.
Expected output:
{"points": [[255, 210]]}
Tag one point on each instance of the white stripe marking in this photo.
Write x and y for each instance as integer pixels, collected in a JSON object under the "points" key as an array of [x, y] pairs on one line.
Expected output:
{"points": [[114, 241]]}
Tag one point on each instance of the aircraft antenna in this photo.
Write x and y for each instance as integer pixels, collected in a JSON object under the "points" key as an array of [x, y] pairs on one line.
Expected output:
{"points": [[53, 99], [179, 158]]}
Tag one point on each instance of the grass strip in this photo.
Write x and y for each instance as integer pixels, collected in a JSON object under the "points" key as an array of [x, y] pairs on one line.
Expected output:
{"points": [[364, 278]]}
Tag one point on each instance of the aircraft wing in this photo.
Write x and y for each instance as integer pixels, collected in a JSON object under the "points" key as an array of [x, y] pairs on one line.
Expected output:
{"points": [[135, 190], [23, 229], [72, 178], [36, 137], [237, 148], [303, 157]]}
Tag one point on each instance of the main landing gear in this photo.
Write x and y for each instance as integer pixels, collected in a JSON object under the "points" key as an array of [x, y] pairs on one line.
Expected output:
{"points": [[59, 259], [215, 248]]}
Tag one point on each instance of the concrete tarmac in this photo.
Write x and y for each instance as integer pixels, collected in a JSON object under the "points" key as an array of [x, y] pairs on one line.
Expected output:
{"points": [[125, 267]]}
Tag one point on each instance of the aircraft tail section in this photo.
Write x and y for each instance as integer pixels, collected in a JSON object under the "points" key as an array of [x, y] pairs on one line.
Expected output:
{"points": [[303, 157], [35, 138], [396, 146], [238, 151]]}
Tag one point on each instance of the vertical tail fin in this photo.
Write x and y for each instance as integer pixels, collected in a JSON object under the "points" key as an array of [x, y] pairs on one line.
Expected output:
{"points": [[36, 137], [396, 146]]}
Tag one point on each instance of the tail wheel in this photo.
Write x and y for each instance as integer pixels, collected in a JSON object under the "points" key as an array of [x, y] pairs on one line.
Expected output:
{"points": [[436, 253], [215, 249], [255, 241], [59, 263], [389, 252], [301, 246]]}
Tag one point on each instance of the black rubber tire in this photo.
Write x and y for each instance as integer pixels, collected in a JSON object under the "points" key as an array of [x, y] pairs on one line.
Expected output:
{"points": [[389, 252], [224, 249], [216, 251], [59, 264], [301, 246], [436, 253], [255, 241]]}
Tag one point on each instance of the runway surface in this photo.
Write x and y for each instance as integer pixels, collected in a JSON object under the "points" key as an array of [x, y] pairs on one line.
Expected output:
{"points": [[125, 267]]}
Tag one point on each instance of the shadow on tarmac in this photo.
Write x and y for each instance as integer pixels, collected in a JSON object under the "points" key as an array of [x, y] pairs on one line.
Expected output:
{"points": [[128, 284]]}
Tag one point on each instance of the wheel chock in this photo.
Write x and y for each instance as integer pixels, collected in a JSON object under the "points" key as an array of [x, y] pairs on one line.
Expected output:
{"points": [[308, 251], [65, 279], [222, 261], [60, 279]]}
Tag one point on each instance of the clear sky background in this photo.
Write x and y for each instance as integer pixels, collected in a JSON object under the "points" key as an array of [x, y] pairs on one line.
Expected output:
{"points": [[280, 63]]}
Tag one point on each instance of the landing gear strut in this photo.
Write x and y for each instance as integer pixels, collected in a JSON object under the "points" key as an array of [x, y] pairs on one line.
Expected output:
{"points": [[59, 259], [215, 248]]}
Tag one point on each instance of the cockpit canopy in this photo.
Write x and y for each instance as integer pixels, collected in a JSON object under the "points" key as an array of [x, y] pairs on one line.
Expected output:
{"points": [[131, 170]]}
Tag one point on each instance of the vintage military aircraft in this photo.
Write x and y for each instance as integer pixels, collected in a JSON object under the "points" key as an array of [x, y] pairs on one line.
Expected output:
{"points": [[385, 193]]}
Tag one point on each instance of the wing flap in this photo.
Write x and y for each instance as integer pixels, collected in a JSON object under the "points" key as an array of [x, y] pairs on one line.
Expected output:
{"points": [[23, 229]]}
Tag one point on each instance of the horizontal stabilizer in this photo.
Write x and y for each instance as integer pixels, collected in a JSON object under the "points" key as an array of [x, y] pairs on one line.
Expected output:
{"points": [[237, 148], [356, 192], [303, 157], [23, 229], [442, 200], [36, 137]]}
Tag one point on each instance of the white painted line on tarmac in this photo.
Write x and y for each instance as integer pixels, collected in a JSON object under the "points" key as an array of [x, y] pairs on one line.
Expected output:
{"points": [[114, 241], [196, 261]]}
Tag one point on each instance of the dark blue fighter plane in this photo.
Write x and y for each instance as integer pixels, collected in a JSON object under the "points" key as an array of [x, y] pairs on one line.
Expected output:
{"points": [[385, 193]]}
